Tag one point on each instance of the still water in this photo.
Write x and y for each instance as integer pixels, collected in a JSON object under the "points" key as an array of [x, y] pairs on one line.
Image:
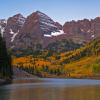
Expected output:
{"points": [[51, 89]]}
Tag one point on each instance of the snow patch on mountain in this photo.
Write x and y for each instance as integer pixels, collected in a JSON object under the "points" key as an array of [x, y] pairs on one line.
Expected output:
{"points": [[3, 23], [60, 32], [2, 29], [82, 30], [89, 31], [92, 36], [11, 32], [14, 35], [47, 35], [49, 24]]}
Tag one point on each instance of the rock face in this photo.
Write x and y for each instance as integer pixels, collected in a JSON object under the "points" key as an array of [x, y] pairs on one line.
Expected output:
{"points": [[36, 27], [38, 22], [84, 29], [58, 25], [95, 27], [39, 30], [14, 24]]}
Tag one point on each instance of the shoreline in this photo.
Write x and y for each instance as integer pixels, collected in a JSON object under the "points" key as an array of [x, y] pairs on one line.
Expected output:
{"points": [[94, 77], [4, 82], [71, 76]]}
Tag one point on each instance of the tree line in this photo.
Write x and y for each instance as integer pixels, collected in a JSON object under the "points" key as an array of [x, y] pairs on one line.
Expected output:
{"points": [[5, 61]]}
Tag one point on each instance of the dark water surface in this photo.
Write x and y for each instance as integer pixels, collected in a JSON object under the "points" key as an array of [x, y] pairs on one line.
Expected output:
{"points": [[51, 89]]}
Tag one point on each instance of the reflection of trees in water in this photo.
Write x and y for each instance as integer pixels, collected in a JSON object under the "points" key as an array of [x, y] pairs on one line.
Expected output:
{"points": [[51, 92], [4, 94]]}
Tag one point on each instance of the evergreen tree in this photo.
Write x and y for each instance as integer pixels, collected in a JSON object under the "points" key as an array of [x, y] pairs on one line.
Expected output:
{"points": [[5, 61]]}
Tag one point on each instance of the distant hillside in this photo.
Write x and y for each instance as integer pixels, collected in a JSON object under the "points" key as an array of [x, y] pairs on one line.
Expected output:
{"points": [[62, 46], [93, 48], [82, 62]]}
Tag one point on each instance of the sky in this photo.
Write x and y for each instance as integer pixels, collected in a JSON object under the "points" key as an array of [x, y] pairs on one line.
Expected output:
{"points": [[59, 10]]}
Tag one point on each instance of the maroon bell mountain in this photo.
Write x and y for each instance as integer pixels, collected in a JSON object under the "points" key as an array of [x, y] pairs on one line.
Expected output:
{"points": [[23, 33]]}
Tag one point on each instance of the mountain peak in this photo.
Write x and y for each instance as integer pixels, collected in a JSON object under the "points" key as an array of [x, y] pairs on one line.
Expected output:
{"points": [[3, 21], [14, 25], [41, 22], [18, 15], [23, 32], [43, 15], [39, 12]]}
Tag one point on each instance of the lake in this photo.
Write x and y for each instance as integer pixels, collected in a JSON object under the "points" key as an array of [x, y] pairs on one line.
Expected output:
{"points": [[51, 89]]}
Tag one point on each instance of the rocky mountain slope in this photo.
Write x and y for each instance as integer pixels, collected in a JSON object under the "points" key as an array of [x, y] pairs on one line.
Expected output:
{"points": [[86, 30], [36, 27], [39, 30], [13, 26]]}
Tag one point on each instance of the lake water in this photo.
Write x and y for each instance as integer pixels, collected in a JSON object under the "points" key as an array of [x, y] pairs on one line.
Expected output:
{"points": [[51, 89]]}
